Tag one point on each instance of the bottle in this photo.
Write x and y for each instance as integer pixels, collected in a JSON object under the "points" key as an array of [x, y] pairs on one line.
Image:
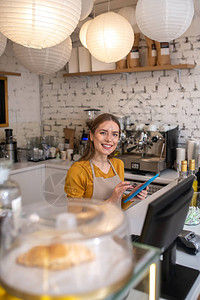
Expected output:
{"points": [[195, 183], [183, 173], [198, 174], [28, 147], [57, 153], [10, 195]]}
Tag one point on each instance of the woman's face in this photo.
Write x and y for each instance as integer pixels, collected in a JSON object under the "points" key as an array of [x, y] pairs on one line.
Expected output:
{"points": [[105, 138]]}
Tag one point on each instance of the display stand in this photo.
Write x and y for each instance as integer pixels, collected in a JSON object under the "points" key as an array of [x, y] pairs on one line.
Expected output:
{"points": [[142, 278], [177, 280], [143, 257]]}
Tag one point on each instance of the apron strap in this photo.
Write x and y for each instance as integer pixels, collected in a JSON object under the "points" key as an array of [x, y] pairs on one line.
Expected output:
{"points": [[92, 167], [91, 164], [110, 183], [93, 176], [112, 167]]}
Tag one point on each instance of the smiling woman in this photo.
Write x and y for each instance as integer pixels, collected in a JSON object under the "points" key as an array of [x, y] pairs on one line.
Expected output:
{"points": [[98, 174]]}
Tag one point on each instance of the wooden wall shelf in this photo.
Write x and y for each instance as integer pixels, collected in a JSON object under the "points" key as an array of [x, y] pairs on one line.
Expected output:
{"points": [[131, 70], [10, 73]]}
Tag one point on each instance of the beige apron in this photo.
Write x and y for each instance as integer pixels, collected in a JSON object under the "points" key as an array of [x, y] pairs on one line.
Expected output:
{"points": [[103, 187]]}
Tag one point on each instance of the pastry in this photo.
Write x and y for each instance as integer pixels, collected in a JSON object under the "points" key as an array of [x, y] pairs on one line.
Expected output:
{"points": [[55, 256]]}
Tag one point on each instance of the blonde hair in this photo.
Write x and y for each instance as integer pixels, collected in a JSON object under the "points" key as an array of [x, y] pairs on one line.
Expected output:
{"points": [[90, 150]]}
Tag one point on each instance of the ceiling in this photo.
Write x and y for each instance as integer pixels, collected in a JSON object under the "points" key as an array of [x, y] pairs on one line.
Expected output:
{"points": [[101, 6]]}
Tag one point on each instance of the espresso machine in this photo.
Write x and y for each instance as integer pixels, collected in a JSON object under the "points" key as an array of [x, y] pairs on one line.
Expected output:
{"points": [[145, 148]]}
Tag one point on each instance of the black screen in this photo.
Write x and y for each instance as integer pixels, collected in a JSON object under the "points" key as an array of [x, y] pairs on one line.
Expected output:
{"points": [[166, 215], [164, 221]]}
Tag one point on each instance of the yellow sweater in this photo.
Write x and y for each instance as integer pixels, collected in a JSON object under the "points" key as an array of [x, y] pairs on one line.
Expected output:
{"points": [[79, 179]]}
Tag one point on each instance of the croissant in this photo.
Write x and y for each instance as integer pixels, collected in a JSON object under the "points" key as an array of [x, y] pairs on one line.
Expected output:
{"points": [[55, 256]]}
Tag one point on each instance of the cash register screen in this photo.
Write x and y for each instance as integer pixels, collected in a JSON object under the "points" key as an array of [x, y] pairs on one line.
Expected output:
{"points": [[166, 215], [164, 221]]}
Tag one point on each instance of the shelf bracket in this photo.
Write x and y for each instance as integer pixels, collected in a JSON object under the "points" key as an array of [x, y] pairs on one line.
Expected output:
{"points": [[127, 78], [179, 75], [88, 81]]}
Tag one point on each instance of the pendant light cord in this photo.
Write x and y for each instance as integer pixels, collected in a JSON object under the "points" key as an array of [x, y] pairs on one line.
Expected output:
{"points": [[108, 5]]}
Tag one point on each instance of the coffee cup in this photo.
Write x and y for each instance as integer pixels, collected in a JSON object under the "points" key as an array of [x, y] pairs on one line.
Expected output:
{"points": [[61, 146], [63, 155], [53, 152]]}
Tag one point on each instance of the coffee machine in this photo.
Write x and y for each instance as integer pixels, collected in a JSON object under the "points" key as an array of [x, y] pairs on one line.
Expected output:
{"points": [[145, 148], [10, 145], [91, 115]]}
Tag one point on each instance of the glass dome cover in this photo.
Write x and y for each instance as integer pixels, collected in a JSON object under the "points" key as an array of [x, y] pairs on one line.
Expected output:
{"points": [[82, 251]]}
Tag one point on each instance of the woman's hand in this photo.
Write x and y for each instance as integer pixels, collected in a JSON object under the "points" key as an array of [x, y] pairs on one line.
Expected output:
{"points": [[141, 196], [119, 191]]}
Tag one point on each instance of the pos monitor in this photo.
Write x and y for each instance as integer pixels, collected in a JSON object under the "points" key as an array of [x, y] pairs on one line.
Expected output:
{"points": [[164, 221]]}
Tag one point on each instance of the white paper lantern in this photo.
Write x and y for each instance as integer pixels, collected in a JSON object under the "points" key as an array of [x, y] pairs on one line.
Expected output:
{"points": [[109, 37], [39, 23], [164, 20], [3, 43], [87, 6], [129, 14], [44, 61], [83, 32]]}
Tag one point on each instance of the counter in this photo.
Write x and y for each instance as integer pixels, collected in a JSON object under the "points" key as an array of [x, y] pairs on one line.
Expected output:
{"points": [[40, 180], [29, 165], [165, 177], [33, 178], [137, 215], [182, 258]]}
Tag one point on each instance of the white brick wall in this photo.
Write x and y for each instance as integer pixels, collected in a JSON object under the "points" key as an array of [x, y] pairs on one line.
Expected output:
{"points": [[23, 99], [146, 96]]}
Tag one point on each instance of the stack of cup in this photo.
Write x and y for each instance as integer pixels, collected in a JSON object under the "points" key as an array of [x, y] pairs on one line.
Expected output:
{"points": [[69, 153], [193, 148], [190, 149], [63, 155], [180, 155]]}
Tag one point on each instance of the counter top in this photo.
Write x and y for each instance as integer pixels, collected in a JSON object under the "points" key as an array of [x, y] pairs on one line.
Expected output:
{"points": [[165, 177], [51, 163]]}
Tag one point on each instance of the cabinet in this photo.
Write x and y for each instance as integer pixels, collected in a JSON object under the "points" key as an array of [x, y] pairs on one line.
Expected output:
{"points": [[41, 182], [53, 187], [131, 70], [31, 183]]}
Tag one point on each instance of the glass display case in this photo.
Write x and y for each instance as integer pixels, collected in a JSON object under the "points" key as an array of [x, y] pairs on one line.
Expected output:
{"points": [[144, 282], [79, 251]]}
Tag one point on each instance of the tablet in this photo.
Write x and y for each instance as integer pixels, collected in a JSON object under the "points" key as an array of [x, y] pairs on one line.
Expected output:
{"points": [[141, 188]]}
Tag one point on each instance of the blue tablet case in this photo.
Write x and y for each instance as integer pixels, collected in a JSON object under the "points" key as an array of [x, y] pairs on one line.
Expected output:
{"points": [[141, 188]]}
